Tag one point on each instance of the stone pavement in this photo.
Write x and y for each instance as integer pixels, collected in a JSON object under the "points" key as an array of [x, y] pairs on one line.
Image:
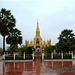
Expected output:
{"points": [[37, 67]]}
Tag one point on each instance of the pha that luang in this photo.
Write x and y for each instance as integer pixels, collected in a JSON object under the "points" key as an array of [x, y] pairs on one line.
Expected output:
{"points": [[38, 43]]}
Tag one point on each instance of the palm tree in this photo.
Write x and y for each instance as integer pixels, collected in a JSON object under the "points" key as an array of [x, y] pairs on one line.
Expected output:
{"points": [[7, 22]]}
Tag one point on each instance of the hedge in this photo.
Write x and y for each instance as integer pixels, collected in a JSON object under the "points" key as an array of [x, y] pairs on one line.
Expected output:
{"points": [[19, 58], [47, 56], [27, 57], [8, 57], [58, 56], [67, 56]]}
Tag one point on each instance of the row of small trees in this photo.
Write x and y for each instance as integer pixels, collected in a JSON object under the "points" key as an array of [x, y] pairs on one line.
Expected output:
{"points": [[27, 50]]}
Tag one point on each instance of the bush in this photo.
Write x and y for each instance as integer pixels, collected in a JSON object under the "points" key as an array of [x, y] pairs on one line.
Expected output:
{"points": [[67, 56], [56, 56], [8, 57], [1, 54], [19, 58], [28, 56], [47, 56]]}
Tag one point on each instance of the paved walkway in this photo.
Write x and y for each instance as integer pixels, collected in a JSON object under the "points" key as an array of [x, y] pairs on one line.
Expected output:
{"points": [[38, 67]]}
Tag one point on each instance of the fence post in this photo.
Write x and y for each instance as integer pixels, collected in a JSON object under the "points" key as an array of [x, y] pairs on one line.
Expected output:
{"points": [[4, 56], [24, 55], [43, 56], [33, 55], [62, 54], [72, 54], [14, 55], [51, 55]]}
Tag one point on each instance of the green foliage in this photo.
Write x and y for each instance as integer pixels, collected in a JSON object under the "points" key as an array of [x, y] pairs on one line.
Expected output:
{"points": [[7, 22], [67, 56], [1, 54], [22, 49], [27, 50], [19, 58], [56, 56], [66, 41], [12, 49], [47, 56], [28, 56], [14, 37], [8, 57], [49, 49]]}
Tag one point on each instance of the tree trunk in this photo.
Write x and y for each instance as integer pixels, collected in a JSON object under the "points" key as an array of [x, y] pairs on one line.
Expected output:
{"points": [[3, 44]]}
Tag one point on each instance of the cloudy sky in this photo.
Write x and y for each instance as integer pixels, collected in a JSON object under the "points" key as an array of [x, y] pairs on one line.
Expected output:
{"points": [[53, 17]]}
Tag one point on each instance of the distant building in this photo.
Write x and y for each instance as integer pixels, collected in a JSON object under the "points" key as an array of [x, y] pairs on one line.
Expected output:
{"points": [[38, 43]]}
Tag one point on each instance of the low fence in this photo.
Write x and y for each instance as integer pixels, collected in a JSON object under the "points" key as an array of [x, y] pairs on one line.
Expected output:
{"points": [[32, 56], [58, 56], [16, 56]]}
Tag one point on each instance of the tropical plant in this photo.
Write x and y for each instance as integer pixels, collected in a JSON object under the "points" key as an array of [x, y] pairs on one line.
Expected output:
{"points": [[7, 22], [66, 41]]}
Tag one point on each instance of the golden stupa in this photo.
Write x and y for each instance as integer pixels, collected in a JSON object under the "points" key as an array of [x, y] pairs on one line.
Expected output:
{"points": [[37, 42]]}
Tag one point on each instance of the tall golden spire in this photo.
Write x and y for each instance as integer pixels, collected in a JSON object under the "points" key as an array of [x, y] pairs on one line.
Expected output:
{"points": [[37, 30]]}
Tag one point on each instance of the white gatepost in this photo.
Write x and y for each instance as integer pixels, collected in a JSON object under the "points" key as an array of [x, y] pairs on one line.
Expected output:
{"points": [[51, 55], [62, 54], [72, 54], [4, 56], [14, 55], [24, 55], [33, 55], [43, 56]]}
